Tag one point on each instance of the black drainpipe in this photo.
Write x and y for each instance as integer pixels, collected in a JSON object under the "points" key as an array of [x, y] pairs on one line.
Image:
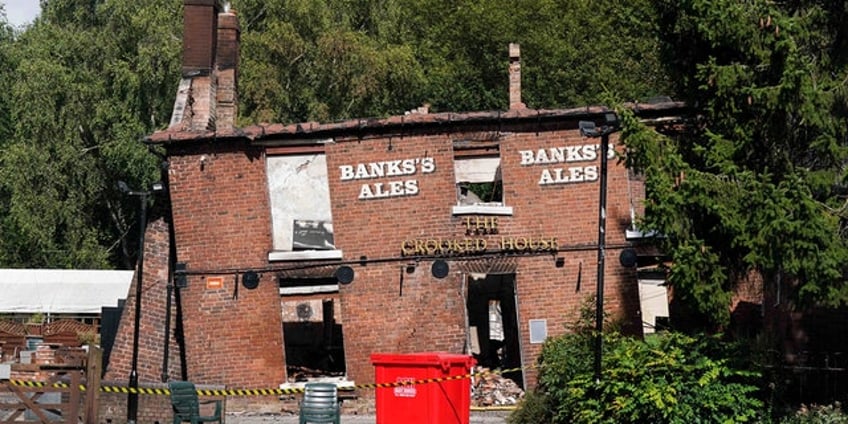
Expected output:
{"points": [[172, 261], [172, 254]]}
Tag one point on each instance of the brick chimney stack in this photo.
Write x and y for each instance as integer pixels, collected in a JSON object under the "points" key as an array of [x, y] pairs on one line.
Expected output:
{"points": [[200, 31], [515, 77], [207, 97], [227, 63]]}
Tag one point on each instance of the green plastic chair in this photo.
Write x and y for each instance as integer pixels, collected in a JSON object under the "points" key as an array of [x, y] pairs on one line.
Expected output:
{"points": [[320, 404], [186, 406]]}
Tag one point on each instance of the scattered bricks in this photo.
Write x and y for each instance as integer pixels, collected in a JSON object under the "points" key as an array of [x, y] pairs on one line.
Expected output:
{"points": [[491, 389]]}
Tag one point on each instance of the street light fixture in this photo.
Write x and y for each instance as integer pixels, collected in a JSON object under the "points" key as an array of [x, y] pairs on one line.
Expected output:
{"points": [[588, 129], [132, 397]]}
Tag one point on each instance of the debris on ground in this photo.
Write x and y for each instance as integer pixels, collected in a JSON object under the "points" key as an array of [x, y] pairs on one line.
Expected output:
{"points": [[490, 388], [300, 374]]}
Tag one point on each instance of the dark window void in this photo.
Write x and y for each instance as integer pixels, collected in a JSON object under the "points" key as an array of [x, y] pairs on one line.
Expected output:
{"points": [[493, 324], [480, 193], [313, 339]]}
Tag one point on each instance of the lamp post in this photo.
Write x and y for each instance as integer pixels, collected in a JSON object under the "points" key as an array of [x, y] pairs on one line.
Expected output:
{"points": [[588, 129], [132, 396]]}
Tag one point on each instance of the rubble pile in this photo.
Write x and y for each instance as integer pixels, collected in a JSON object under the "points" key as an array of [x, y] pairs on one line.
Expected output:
{"points": [[491, 389], [300, 374]]}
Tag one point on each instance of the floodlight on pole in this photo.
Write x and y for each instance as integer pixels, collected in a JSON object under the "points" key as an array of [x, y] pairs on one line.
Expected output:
{"points": [[589, 129]]}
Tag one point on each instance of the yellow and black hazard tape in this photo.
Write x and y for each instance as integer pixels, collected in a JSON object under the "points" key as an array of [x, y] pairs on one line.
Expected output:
{"points": [[24, 383], [263, 392]]}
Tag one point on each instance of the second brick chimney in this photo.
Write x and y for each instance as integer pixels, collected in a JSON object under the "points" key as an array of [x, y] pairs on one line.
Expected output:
{"points": [[226, 67], [515, 77]]}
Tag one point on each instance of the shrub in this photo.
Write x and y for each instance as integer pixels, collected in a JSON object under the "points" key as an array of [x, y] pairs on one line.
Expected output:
{"points": [[828, 414], [534, 408], [670, 378]]}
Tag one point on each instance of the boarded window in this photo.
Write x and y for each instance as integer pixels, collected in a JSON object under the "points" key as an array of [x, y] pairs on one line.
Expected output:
{"points": [[300, 202]]}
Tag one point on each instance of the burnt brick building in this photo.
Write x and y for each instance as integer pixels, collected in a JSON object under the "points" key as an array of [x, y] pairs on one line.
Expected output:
{"points": [[295, 251]]}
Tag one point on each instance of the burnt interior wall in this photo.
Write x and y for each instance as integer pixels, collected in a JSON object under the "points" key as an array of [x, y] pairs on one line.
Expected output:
{"points": [[313, 337]]}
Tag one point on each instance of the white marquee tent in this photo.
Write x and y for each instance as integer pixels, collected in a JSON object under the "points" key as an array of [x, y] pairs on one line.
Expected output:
{"points": [[61, 291]]}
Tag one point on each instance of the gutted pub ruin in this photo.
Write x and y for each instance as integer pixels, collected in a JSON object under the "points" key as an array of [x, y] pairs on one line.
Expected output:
{"points": [[295, 251]]}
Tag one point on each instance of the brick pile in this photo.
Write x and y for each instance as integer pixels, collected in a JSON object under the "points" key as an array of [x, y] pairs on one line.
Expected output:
{"points": [[491, 389]]}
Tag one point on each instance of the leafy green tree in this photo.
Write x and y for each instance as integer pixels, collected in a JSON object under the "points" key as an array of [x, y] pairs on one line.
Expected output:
{"points": [[572, 51], [312, 60], [91, 78], [336, 59], [757, 183], [6, 63]]}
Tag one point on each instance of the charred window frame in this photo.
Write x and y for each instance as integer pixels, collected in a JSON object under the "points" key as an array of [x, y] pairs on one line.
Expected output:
{"points": [[479, 182]]}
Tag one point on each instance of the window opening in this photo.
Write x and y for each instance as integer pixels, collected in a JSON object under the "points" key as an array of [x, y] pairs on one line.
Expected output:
{"points": [[479, 186], [301, 217], [478, 181], [490, 193]]}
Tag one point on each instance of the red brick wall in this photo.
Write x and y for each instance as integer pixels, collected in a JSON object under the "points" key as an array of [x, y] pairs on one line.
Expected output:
{"points": [[222, 222], [199, 34], [429, 315], [151, 408], [152, 325]]}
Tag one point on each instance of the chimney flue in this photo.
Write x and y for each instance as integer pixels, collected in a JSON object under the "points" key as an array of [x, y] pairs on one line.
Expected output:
{"points": [[200, 30], [227, 63], [515, 77]]}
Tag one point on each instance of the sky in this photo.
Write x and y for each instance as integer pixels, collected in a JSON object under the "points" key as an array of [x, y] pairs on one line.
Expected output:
{"points": [[20, 12]]}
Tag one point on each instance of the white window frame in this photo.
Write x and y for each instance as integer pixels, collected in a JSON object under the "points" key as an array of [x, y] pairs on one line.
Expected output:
{"points": [[283, 213], [479, 169]]}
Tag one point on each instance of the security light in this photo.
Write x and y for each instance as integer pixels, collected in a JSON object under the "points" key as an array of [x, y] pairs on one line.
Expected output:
{"points": [[157, 187], [628, 258], [588, 129]]}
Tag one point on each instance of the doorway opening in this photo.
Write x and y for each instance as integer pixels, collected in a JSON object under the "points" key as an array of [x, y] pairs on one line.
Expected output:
{"points": [[312, 329], [493, 324]]}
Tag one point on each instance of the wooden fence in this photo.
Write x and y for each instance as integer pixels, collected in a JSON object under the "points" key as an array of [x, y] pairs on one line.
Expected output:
{"points": [[76, 382]]}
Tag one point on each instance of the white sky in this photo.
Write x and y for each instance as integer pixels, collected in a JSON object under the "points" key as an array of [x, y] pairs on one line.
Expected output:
{"points": [[20, 12]]}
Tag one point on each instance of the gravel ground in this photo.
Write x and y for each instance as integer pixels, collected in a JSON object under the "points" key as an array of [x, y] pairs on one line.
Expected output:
{"points": [[477, 417]]}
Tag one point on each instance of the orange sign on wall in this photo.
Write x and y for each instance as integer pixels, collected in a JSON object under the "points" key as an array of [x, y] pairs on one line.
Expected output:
{"points": [[214, 282]]}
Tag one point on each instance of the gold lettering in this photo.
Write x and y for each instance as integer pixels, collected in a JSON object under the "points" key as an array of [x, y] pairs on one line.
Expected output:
{"points": [[432, 246], [407, 247], [469, 245], [420, 249], [521, 243], [480, 225]]}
